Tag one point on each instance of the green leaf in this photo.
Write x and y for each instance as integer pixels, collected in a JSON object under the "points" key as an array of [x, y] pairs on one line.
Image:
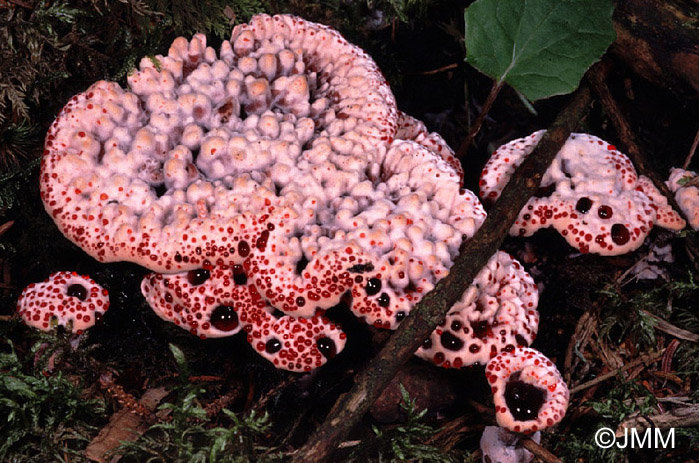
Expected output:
{"points": [[179, 359], [18, 387], [540, 47]]}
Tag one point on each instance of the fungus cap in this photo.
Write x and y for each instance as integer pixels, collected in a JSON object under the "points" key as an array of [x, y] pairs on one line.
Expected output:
{"points": [[528, 390], [280, 154], [686, 194], [496, 313], [205, 142], [281, 159], [590, 194], [218, 302], [64, 298]]}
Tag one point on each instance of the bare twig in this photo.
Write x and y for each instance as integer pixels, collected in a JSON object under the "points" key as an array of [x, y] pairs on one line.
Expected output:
{"points": [[369, 383], [6, 226], [672, 330], [692, 150], [581, 337], [666, 364], [681, 417], [539, 452], [648, 358], [476, 127], [438, 70]]}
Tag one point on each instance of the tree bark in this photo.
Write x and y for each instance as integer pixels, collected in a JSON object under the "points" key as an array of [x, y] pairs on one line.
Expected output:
{"points": [[431, 310], [659, 40]]}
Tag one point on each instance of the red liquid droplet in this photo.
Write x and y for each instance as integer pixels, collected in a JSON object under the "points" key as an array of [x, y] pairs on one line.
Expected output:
{"points": [[384, 300], [327, 347], [261, 243], [620, 234], [243, 248], [373, 286], [451, 342], [605, 212], [224, 318], [583, 205], [524, 400], [239, 276], [198, 276], [273, 346], [78, 291]]}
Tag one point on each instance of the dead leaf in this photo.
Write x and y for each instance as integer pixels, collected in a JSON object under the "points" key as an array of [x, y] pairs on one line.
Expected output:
{"points": [[123, 426]]}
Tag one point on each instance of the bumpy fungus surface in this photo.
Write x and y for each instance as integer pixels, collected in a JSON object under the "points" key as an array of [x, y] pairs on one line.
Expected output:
{"points": [[280, 164], [217, 302], [528, 391], [497, 313], [687, 196], [66, 299], [591, 194]]}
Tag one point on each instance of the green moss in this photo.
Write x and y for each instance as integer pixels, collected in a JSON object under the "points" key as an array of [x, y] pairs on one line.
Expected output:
{"points": [[46, 417]]}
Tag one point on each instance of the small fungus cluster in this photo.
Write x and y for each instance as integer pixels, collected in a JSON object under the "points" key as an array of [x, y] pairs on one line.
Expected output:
{"points": [[684, 184], [65, 299], [590, 194], [528, 391], [497, 313]]}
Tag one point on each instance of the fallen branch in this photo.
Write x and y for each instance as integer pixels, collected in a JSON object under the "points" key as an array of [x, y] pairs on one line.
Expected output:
{"points": [[351, 406], [681, 417], [540, 452], [692, 150], [672, 330], [648, 358], [123, 426], [659, 40]]}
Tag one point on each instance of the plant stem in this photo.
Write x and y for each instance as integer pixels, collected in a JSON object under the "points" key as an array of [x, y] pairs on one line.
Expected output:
{"points": [[476, 127], [692, 150]]}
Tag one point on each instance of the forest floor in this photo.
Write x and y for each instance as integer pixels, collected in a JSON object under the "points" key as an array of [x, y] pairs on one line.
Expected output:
{"points": [[627, 347]]}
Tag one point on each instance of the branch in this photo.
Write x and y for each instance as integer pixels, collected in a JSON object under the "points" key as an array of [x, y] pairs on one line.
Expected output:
{"points": [[539, 451], [659, 40], [476, 127], [351, 406], [643, 360], [682, 417]]}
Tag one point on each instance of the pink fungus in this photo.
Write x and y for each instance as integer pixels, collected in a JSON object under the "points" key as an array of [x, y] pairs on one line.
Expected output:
{"points": [[263, 183], [529, 392], [66, 299], [591, 186]]}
